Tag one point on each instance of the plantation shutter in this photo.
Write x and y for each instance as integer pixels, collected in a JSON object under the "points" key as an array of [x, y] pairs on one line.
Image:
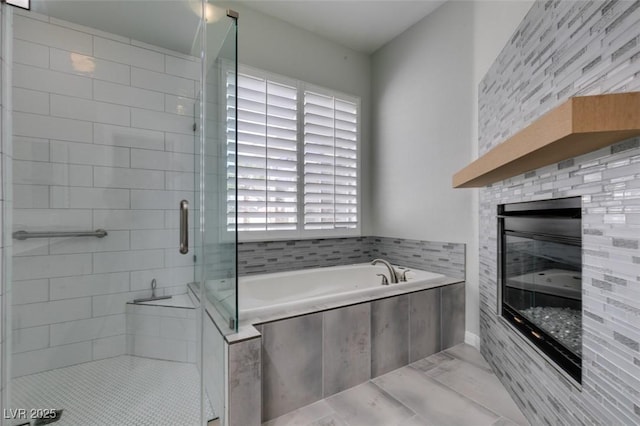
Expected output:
{"points": [[267, 153], [330, 162]]}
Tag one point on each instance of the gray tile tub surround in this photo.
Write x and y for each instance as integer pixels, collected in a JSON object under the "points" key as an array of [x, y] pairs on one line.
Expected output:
{"points": [[310, 357], [433, 256], [346, 347], [278, 256], [245, 395], [454, 387], [410, 327], [390, 329], [562, 49], [452, 315], [291, 364]]}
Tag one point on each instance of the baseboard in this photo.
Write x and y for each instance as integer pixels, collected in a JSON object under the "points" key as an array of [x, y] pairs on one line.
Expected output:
{"points": [[472, 339]]}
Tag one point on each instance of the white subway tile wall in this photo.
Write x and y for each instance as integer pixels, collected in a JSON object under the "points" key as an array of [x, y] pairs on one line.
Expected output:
{"points": [[161, 332], [103, 139]]}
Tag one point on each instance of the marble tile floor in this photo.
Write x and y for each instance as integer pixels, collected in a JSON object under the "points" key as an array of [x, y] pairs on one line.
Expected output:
{"points": [[455, 387], [124, 390]]}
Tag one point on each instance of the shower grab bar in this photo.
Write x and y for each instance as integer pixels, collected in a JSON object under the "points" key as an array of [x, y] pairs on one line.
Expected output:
{"points": [[24, 235]]}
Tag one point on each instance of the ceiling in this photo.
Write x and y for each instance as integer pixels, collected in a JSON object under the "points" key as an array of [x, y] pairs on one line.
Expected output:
{"points": [[364, 26]]}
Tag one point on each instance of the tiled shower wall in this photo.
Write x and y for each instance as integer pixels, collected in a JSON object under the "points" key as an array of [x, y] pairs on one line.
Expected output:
{"points": [[103, 138], [562, 49], [278, 256]]}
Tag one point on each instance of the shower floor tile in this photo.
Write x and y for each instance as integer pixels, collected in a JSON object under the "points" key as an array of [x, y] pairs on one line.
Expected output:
{"points": [[121, 391]]}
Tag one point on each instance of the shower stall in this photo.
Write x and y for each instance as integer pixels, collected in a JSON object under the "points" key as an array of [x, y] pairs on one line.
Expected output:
{"points": [[118, 231]]}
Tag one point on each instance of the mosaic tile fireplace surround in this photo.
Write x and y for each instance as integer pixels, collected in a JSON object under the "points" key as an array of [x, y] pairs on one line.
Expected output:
{"points": [[563, 49]]}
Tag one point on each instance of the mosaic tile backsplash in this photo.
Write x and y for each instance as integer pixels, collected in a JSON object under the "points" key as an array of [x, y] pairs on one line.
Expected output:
{"points": [[563, 49], [278, 256]]}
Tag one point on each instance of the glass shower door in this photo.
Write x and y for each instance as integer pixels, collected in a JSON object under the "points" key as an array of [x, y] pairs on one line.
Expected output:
{"points": [[219, 180]]}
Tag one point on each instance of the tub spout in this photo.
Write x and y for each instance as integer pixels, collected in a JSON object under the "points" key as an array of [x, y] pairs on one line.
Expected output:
{"points": [[393, 278]]}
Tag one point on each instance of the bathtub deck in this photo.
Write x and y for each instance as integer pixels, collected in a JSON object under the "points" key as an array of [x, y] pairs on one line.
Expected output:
{"points": [[294, 310], [455, 386], [125, 390]]}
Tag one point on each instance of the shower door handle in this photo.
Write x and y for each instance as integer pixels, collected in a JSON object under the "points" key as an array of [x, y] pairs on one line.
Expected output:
{"points": [[184, 227]]}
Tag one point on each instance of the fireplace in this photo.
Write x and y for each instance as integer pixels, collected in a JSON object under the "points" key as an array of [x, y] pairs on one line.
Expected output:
{"points": [[540, 266]]}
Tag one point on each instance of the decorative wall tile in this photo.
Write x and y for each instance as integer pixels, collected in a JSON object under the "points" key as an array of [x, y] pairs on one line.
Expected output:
{"points": [[441, 257], [564, 49], [277, 256]]}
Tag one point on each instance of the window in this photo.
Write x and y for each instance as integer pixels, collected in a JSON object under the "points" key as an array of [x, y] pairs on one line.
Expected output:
{"points": [[297, 157], [330, 162]]}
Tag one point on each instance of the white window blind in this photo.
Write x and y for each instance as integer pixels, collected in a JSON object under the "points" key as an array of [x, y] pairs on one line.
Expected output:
{"points": [[330, 162], [285, 129], [267, 153]]}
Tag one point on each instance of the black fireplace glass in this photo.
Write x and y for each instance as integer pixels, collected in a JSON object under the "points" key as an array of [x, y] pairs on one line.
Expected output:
{"points": [[541, 276]]}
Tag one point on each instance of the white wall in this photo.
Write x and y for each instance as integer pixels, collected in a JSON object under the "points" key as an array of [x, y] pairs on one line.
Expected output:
{"points": [[424, 91], [274, 45]]}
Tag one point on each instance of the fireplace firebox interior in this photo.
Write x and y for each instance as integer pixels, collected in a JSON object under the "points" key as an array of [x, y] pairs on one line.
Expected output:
{"points": [[540, 256]]}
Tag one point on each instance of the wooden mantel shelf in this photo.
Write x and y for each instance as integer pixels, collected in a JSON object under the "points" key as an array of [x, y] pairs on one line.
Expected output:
{"points": [[578, 126]]}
